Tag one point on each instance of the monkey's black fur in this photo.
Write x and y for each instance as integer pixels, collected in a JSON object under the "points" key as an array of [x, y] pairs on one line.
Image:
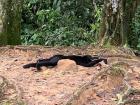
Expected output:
{"points": [[86, 61]]}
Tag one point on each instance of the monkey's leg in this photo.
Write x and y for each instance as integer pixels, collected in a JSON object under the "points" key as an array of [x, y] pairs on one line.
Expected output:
{"points": [[29, 65], [45, 63]]}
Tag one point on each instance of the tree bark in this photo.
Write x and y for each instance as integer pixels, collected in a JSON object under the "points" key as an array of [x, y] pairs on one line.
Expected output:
{"points": [[116, 20], [10, 22], [3, 38]]}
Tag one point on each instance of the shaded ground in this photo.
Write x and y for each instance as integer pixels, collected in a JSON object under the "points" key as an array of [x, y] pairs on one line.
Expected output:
{"points": [[57, 85]]}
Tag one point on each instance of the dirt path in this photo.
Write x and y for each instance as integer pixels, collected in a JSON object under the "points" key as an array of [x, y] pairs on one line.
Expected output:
{"points": [[50, 86]]}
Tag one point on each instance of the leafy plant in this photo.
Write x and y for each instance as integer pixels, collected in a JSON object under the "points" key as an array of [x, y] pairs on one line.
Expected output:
{"points": [[136, 30], [59, 22]]}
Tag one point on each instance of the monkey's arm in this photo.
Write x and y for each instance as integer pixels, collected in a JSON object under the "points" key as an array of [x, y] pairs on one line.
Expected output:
{"points": [[94, 62]]}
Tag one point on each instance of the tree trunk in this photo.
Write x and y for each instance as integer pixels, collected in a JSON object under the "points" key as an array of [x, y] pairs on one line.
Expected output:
{"points": [[115, 25], [10, 22], [3, 38]]}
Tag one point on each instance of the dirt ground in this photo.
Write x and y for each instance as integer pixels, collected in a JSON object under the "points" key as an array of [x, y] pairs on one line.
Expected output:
{"points": [[56, 86]]}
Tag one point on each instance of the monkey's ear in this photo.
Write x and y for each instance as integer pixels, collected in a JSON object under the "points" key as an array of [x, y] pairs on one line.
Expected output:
{"points": [[105, 61], [137, 53]]}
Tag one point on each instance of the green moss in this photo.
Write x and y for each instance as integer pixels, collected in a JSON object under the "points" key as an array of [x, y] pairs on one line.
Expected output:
{"points": [[116, 71]]}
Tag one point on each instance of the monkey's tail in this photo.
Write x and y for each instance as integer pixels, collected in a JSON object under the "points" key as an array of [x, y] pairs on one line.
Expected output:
{"points": [[29, 65]]}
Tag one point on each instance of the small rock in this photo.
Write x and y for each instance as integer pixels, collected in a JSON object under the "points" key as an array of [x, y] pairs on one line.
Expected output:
{"points": [[65, 65]]}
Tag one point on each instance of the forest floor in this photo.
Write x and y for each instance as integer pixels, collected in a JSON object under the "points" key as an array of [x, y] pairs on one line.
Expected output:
{"points": [[67, 83]]}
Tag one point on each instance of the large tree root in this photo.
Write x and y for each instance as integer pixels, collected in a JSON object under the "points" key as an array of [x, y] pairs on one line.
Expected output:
{"points": [[122, 97], [12, 98], [3, 86], [101, 52], [86, 86]]}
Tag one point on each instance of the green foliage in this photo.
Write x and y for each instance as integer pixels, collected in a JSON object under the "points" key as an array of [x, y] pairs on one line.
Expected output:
{"points": [[59, 22], [135, 38], [61, 36], [95, 26]]}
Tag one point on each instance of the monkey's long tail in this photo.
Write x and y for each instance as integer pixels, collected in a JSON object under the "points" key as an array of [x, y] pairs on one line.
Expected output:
{"points": [[29, 65]]}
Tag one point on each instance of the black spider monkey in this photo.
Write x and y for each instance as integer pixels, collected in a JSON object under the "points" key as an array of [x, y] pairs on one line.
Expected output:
{"points": [[86, 61]]}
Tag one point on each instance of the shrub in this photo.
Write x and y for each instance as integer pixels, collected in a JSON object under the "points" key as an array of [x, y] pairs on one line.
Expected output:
{"points": [[59, 22], [135, 43]]}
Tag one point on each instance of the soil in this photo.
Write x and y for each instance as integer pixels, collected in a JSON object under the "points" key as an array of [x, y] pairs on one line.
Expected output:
{"points": [[56, 86]]}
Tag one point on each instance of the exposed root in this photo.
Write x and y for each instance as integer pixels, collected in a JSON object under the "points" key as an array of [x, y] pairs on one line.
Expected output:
{"points": [[86, 86], [123, 99], [9, 98], [18, 90], [111, 70], [3, 86], [124, 53]]}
